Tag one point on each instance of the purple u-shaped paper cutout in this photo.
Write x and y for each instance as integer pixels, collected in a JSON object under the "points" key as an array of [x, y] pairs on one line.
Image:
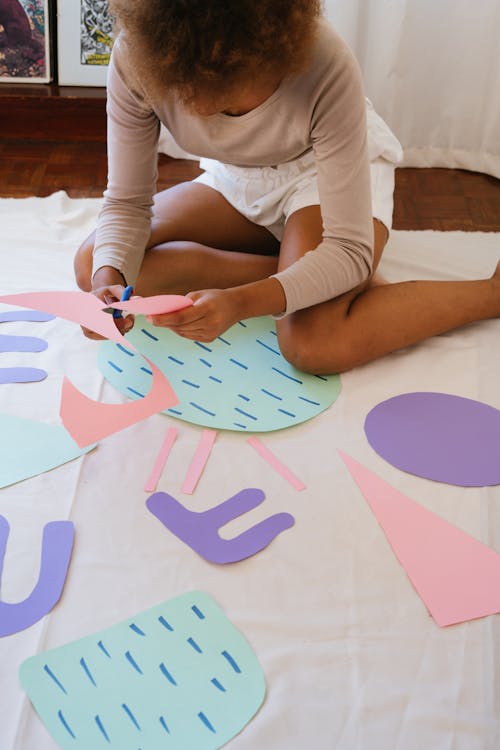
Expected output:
{"points": [[200, 531], [21, 375], [57, 544], [32, 316], [30, 344]]}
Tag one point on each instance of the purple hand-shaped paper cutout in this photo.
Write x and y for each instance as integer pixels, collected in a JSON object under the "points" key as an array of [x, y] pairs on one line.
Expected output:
{"points": [[57, 544], [200, 531], [21, 344], [21, 375], [32, 316]]}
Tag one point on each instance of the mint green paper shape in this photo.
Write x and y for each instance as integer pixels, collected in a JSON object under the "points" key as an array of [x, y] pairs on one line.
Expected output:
{"points": [[177, 676], [28, 448], [240, 381]]}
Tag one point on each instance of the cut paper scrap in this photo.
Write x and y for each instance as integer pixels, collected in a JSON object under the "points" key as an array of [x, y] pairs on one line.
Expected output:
{"points": [[86, 420], [276, 464], [57, 545], [438, 436], [159, 304], [21, 375], [89, 421], [22, 344], [240, 381], [28, 448], [457, 577], [179, 675], [200, 531], [199, 461], [161, 459], [32, 316]]}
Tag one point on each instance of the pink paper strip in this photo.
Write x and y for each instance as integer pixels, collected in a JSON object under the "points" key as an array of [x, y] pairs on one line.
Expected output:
{"points": [[457, 576], [276, 464], [159, 304], [200, 458], [161, 460]]}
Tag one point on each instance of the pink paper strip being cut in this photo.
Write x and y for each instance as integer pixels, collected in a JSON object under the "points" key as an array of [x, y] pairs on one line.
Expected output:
{"points": [[276, 464], [199, 461], [159, 304], [161, 460], [457, 576]]}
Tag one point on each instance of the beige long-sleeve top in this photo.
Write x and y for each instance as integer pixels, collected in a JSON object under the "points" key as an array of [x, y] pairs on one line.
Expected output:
{"points": [[321, 108]]}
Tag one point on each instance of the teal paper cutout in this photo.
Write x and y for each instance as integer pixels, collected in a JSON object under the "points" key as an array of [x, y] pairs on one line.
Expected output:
{"points": [[28, 448], [178, 675], [240, 381]]}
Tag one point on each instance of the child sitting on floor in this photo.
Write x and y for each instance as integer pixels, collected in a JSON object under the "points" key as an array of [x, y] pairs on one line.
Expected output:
{"points": [[293, 210]]}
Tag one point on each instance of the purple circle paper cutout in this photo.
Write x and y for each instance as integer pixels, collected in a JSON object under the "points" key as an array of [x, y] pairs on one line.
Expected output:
{"points": [[438, 436]]}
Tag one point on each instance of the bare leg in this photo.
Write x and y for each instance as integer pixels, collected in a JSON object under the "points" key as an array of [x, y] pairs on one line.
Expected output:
{"points": [[198, 240], [374, 319]]}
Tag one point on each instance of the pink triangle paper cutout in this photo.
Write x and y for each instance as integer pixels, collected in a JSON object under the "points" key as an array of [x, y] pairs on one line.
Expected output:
{"points": [[457, 577]]}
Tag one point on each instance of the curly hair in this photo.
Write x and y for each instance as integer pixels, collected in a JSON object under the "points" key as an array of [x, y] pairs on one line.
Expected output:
{"points": [[210, 46]]}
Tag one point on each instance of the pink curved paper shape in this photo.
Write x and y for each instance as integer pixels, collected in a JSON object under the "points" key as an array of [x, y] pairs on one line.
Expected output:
{"points": [[89, 421], [159, 304], [457, 576], [86, 420]]}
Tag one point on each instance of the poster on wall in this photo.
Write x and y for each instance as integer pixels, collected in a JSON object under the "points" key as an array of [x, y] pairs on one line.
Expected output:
{"points": [[85, 39], [25, 41]]}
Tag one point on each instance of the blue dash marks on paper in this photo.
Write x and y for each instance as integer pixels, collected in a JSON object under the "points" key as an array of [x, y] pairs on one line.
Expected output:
{"points": [[246, 361], [199, 698]]}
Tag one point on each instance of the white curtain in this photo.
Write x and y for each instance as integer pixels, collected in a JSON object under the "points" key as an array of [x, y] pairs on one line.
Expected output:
{"points": [[432, 70]]}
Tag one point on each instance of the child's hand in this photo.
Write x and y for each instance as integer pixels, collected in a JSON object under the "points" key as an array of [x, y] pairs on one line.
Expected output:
{"points": [[213, 311], [107, 285]]}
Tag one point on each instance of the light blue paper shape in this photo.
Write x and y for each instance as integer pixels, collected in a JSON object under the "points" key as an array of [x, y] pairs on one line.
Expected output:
{"points": [[177, 676], [28, 448], [240, 381]]}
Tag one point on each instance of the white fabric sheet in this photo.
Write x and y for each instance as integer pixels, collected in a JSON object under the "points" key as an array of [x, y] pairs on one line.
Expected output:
{"points": [[352, 659], [432, 70]]}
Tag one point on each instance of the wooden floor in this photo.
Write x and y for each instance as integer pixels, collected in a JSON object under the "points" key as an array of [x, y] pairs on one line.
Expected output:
{"points": [[441, 199]]}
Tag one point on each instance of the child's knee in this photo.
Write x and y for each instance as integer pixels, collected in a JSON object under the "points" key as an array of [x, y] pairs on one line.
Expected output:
{"points": [[82, 264]]}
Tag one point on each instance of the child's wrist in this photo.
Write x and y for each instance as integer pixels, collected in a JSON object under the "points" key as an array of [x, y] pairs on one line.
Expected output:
{"points": [[266, 297], [107, 276]]}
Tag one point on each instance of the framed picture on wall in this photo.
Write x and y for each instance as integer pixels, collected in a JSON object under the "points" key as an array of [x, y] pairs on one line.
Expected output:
{"points": [[84, 41], [25, 43]]}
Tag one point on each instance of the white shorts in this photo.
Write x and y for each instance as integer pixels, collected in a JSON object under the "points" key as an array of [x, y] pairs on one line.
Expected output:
{"points": [[269, 195]]}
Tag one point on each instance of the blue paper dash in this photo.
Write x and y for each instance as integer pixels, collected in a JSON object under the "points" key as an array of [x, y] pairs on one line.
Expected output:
{"points": [[101, 727], [266, 346], [165, 624], [164, 725], [146, 333], [193, 385], [240, 364], [136, 393], [146, 370], [245, 398], [242, 426], [177, 361], [231, 661], [197, 406], [245, 413], [131, 716], [198, 612], [224, 341], [175, 411], [65, 724], [53, 677], [205, 362], [309, 401], [202, 346], [167, 674], [103, 649], [321, 377], [87, 671], [273, 395], [288, 413], [115, 367], [136, 629], [216, 380], [193, 643], [125, 350], [206, 722], [132, 661], [218, 685], [285, 375], [241, 323]]}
